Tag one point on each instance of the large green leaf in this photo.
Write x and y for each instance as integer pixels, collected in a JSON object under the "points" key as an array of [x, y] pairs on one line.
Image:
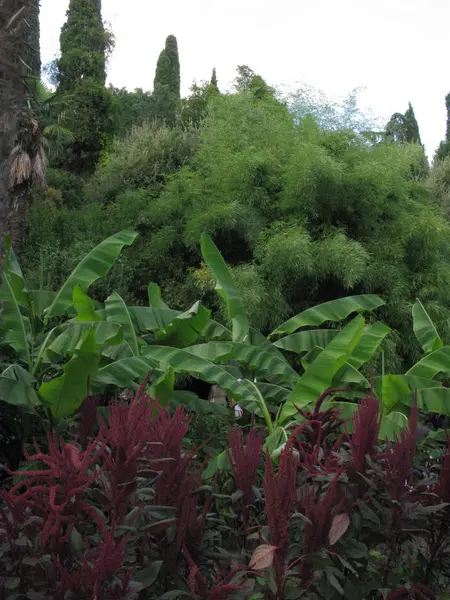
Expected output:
{"points": [[304, 341], [75, 333], [154, 296], [17, 387], [117, 312], [434, 399], [14, 324], [215, 331], [163, 388], [147, 318], [124, 373], [185, 328], [41, 300], [94, 265], [255, 358], [368, 344], [391, 425], [424, 329], [335, 310], [274, 394], [66, 393], [320, 373], [84, 306], [394, 390], [226, 288], [432, 364], [182, 361]]}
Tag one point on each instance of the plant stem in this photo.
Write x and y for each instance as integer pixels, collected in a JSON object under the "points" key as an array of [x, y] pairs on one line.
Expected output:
{"points": [[265, 410]]}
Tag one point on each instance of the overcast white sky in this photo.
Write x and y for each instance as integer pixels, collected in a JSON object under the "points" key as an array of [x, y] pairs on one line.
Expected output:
{"points": [[396, 49]]}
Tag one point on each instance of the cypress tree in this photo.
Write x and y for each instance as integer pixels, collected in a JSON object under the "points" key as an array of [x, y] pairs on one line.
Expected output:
{"points": [[403, 127], [81, 75], [412, 133], [166, 85], [444, 147], [214, 84]]}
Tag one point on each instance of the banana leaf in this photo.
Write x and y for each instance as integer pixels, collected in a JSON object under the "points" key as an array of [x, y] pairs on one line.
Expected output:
{"points": [[182, 361], [154, 296], [368, 344], [75, 333], [319, 375], [304, 341], [226, 288], [184, 329], [84, 306], [17, 388], [66, 393], [147, 318], [335, 310], [424, 329], [117, 312], [432, 364], [15, 326], [255, 358], [97, 263]]}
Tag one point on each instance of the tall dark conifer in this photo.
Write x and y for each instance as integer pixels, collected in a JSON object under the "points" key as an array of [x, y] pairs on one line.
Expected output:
{"points": [[166, 85], [81, 75], [412, 133], [444, 147]]}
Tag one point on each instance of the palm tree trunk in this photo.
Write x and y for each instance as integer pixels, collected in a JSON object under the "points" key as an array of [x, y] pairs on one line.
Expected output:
{"points": [[18, 217], [12, 99], [19, 46]]}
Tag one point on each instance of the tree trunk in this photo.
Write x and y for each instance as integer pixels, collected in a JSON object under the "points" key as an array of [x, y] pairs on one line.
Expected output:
{"points": [[18, 216], [19, 46], [12, 98]]}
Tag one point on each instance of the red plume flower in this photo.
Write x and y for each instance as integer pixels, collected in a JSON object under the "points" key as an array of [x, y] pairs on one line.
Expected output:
{"points": [[366, 428]]}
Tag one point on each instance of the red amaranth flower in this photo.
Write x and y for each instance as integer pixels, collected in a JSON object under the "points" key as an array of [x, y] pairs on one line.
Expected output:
{"points": [[280, 494], [190, 523], [221, 587], [442, 488], [128, 436], [366, 428], [412, 592], [399, 458], [88, 419], [55, 494], [245, 458], [319, 511], [97, 569]]}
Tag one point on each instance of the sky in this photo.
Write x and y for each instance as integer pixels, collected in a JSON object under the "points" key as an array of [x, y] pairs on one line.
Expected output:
{"points": [[397, 50]]}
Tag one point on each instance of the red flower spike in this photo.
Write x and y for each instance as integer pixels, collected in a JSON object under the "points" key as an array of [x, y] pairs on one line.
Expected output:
{"points": [[280, 496], [221, 587], [56, 493], [244, 459], [97, 568], [413, 592], [88, 419], [366, 428], [399, 458], [442, 488]]}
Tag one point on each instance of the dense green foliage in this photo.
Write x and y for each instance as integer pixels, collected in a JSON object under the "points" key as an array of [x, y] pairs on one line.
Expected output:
{"points": [[81, 75], [315, 214]]}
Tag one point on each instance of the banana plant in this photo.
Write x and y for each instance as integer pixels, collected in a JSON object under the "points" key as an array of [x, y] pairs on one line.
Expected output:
{"points": [[421, 382], [33, 322], [331, 357]]}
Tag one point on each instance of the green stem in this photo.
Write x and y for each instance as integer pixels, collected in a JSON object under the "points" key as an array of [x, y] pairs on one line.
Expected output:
{"points": [[264, 408], [42, 350]]}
